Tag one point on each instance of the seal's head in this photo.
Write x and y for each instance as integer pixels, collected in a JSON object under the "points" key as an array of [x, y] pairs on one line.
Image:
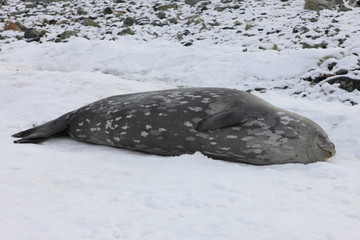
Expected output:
{"points": [[321, 147]]}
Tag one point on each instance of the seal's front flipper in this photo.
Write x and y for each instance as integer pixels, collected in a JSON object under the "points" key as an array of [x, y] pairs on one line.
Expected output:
{"points": [[43, 132], [222, 119]]}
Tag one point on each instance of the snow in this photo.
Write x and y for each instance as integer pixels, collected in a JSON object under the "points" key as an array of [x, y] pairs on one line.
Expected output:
{"points": [[64, 189]]}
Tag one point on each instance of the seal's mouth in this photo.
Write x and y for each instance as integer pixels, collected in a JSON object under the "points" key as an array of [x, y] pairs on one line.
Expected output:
{"points": [[329, 149], [325, 148], [321, 147]]}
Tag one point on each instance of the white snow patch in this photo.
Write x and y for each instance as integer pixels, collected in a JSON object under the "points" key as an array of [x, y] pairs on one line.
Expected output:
{"points": [[65, 189]]}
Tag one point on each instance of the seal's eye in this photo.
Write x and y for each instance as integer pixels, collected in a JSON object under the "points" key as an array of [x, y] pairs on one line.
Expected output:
{"points": [[321, 136]]}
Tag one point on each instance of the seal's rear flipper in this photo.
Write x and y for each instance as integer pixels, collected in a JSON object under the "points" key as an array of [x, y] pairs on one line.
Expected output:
{"points": [[43, 132]]}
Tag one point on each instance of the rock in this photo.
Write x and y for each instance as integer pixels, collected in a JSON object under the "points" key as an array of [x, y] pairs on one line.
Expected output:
{"points": [[18, 37], [318, 78], [81, 11], [341, 72], [192, 2], [318, 45], [67, 34], [32, 35], [45, 1], [62, 22], [11, 26], [90, 23], [43, 32], [312, 5], [129, 21], [143, 21], [237, 23], [191, 17], [260, 89], [161, 15], [346, 83], [108, 10], [343, 8], [32, 5], [165, 7], [51, 22], [127, 31], [300, 29], [318, 5], [187, 44], [181, 35], [354, 3], [173, 20], [249, 26], [330, 66], [199, 21], [222, 8], [158, 23]]}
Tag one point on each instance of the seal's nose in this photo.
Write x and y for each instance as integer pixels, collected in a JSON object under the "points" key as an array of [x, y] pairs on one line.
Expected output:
{"points": [[329, 149], [332, 151]]}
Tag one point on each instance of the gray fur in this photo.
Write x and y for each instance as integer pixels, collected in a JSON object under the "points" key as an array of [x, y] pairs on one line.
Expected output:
{"points": [[221, 123]]}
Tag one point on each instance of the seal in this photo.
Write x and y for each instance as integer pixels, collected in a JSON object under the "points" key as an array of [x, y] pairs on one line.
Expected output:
{"points": [[221, 123]]}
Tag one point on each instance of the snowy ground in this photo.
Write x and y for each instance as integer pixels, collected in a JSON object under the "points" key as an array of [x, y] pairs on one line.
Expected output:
{"points": [[64, 189]]}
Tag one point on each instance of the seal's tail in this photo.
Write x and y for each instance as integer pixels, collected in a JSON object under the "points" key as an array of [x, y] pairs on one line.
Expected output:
{"points": [[43, 132]]}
